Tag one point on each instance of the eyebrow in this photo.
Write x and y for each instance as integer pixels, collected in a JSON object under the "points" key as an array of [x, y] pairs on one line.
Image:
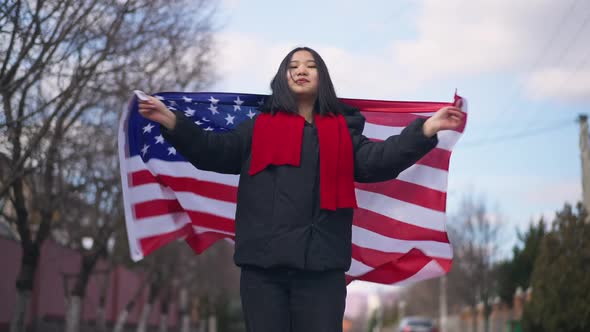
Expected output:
{"points": [[299, 61]]}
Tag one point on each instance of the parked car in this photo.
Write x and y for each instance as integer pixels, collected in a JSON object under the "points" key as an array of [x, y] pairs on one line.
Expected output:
{"points": [[417, 324]]}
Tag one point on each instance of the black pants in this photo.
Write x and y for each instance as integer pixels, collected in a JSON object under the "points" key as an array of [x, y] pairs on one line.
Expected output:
{"points": [[292, 300]]}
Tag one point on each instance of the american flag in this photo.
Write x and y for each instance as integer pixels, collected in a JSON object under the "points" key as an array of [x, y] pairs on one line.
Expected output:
{"points": [[399, 233]]}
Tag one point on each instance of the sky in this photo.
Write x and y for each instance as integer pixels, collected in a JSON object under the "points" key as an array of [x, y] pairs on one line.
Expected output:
{"points": [[524, 67]]}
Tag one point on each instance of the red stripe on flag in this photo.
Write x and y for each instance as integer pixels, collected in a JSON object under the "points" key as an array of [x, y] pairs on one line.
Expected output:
{"points": [[142, 177], [385, 119], [164, 207], [200, 242], [399, 120], [408, 192], [149, 244], [203, 188], [394, 108], [208, 220], [156, 207], [436, 158], [396, 229], [395, 270]]}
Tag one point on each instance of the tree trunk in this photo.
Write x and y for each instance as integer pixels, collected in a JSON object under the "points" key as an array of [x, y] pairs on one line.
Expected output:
{"points": [[23, 298], [79, 291], [24, 285], [163, 323], [185, 322], [164, 308], [184, 311], [212, 323], [73, 314], [101, 321], [143, 319], [122, 319], [147, 309]]}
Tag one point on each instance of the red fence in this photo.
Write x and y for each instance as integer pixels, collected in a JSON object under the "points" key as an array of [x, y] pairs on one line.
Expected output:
{"points": [[48, 297]]}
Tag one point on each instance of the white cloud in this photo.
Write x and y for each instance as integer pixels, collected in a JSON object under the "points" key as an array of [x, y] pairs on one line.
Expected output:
{"points": [[560, 83], [247, 63], [537, 38], [230, 4], [454, 38]]}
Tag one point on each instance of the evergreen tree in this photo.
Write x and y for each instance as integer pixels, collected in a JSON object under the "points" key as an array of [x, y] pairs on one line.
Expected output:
{"points": [[561, 276], [517, 271]]}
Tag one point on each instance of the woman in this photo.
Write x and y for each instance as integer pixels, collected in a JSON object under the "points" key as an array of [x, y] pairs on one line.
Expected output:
{"points": [[298, 161]]}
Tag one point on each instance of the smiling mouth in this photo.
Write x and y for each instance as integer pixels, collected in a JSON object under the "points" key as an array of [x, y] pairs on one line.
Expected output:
{"points": [[301, 81]]}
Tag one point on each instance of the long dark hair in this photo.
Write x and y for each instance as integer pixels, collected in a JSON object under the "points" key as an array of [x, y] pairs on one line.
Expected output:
{"points": [[283, 99]]}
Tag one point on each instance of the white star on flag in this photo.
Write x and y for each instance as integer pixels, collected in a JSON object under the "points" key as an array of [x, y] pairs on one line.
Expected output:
{"points": [[171, 150], [237, 106], [205, 119], [209, 129], [213, 100], [187, 99], [229, 119], [144, 149], [213, 109], [260, 102], [148, 128], [189, 112], [160, 97], [198, 123], [251, 114], [160, 139]]}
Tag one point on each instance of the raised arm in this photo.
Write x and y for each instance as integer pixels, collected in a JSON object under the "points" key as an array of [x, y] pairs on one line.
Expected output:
{"points": [[381, 161], [206, 150]]}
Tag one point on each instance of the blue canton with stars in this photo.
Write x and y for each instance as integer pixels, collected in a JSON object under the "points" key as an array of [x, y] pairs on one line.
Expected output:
{"points": [[217, 112]]}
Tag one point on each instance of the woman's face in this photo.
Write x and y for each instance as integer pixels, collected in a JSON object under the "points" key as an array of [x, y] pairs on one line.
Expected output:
{"points": [[302, 74]]}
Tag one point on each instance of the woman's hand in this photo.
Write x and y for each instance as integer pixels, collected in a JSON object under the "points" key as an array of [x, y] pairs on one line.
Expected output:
{"points": [[448, 117], [155, 110]]}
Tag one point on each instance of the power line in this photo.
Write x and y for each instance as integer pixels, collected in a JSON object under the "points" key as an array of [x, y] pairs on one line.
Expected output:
{"points": [[523, 134], [519, 86], [564, 52]]}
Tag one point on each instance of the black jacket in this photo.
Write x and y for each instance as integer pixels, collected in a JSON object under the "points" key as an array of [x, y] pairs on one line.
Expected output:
{"points": [[279, 222]]}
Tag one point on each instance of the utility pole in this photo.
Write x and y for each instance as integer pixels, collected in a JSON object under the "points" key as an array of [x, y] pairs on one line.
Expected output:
{"points": [[443, 304], [585, 155]]}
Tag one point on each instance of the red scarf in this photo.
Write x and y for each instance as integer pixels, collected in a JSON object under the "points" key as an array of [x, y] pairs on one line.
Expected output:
{"points": [[277, 139]]}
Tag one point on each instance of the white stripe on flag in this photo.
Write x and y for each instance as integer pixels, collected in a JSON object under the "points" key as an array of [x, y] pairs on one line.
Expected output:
{"points": [[159, 225], [430, 270], [180, 169], [190, 201], [357, 268], [425, 176], [149, 192], [201, 230], [402, 211], [446, 138], [371, 240]]}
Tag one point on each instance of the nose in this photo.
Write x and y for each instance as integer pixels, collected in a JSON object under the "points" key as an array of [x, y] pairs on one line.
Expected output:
{"points": [[301, 71]]}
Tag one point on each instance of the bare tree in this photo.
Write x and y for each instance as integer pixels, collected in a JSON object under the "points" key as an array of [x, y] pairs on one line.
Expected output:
{"points": [[66, 61], [475, 236]]}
